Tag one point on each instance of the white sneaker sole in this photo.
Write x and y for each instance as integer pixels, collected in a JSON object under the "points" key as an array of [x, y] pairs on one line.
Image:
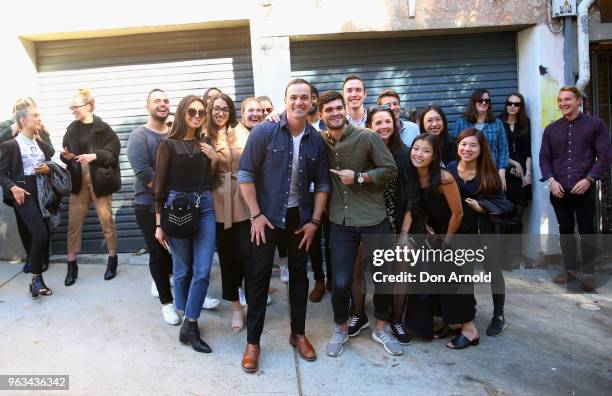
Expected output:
{"points": [[341, 349], [375, 338]]}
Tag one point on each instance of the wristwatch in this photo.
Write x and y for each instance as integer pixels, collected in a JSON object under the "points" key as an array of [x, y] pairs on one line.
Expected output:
{"points": [[360, 179]]}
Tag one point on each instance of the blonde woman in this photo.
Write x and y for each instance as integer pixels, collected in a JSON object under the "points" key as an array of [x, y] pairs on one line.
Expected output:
{"points": [[91, 152]]}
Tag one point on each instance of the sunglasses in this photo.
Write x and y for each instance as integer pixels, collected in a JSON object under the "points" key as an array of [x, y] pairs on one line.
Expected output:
{"points": [[169, 124], [513, 104], [484, 101], [267, 109], [193, 112]]}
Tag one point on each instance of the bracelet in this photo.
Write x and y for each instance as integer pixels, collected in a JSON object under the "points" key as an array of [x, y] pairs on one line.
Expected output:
{"points": [[256, 216], [316, 222], [157, 225]]}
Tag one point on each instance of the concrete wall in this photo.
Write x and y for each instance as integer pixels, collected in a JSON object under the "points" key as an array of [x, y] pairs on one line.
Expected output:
{"points": [[598, 31]]}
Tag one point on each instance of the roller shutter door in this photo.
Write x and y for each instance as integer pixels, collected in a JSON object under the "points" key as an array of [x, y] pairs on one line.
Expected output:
{"points": [[120, 71], [423, 70]]}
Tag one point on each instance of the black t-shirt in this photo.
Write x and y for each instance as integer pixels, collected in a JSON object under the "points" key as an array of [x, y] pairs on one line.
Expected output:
{"points": [[83, 138]]}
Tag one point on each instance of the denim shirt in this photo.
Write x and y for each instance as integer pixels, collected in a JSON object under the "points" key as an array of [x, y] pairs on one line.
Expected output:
{"points": [[496, 138], [267, 160]]}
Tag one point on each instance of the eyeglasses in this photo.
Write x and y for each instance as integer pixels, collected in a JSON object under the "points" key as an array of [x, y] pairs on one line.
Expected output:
{"points": [[74, 108], [513, 104], [218, 109], [484, 101], [193, 112]]}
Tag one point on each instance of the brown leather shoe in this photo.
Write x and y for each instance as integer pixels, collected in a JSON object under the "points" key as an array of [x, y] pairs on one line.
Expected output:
{"points": [[588, 284], [317, 291], [250, 358], [303, 346], [563, 278], [328, 285]]}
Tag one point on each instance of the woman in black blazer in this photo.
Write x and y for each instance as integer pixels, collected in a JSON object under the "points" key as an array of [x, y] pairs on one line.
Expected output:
{"points": [[21, 159]]}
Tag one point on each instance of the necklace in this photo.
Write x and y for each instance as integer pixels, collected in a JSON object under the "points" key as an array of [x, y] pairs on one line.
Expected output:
{"points": [[187, 150]]}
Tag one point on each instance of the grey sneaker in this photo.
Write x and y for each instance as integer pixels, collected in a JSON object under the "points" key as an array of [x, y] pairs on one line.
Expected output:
{"points": [[388, 341], [334, 346]]}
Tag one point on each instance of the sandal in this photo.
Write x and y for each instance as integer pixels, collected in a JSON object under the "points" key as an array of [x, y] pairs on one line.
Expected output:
{"points": [[37, 286], [461, 342], [445, 332], [237, 320]]}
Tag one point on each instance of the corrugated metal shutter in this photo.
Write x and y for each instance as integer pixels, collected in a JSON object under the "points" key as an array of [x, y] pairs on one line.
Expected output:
{"points": [[120, 71], [423, 70]]}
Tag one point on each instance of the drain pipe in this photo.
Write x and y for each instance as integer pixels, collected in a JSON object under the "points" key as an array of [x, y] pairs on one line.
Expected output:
{"points": [[584, 66]]}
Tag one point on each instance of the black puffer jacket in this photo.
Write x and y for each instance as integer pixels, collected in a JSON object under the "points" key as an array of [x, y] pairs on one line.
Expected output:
{"points": [[104, 171]]}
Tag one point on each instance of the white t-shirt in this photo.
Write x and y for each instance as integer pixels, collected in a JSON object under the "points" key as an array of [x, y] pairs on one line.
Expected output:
{"points": [[294, 189], [31, 154]]}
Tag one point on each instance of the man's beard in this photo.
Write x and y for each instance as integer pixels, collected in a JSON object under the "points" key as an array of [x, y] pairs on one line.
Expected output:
{"points": [[313, 111], [158, 118]]}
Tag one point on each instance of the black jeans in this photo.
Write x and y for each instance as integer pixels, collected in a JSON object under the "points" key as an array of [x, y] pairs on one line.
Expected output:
{"points": [[34, 234], [493, 264], [583, 208], [344, 242], [316, 252], [233, 248], [160, 261], [259, 271]]}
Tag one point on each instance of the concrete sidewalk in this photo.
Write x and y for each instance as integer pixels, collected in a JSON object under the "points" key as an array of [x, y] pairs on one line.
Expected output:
{"points": [[111, 339]]}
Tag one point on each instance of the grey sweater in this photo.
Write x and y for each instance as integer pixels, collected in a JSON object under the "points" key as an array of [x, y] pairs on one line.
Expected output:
{"points": [[142, 151]]}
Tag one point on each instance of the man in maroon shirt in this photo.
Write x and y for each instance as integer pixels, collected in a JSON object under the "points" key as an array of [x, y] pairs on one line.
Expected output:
{"points": [[575, 153]]}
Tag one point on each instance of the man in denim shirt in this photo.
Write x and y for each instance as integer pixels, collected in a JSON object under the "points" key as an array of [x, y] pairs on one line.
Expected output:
{"points": [[278, 164]]}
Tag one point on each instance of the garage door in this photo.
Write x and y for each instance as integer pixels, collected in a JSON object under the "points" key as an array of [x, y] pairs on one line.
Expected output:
{"points": [[423, 70], [120, 71]]}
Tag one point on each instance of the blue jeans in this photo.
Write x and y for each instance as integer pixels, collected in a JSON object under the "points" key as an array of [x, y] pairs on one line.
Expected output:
{"points": [[192, 259]]}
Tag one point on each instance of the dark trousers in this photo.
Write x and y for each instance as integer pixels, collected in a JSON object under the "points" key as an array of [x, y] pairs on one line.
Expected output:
{"points": [[569, 210], [344, 243], [160, 261], [316, 252], [233, 248], [259, 271], [34, 234], [492, 263]]}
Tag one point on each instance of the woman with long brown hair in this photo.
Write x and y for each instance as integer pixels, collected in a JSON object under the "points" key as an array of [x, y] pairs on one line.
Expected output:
{"points": [[433, 120], [184, 170], [518, 177], [478, 180]]}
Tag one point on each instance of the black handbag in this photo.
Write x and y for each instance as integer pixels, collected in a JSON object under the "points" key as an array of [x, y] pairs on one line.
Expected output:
{"points": [[181, 219]]}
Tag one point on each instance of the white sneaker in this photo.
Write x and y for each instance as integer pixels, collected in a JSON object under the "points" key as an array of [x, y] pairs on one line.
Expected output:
{"points": [[154, 291], [269, 300], [284, 275], [241, 297], [210, 303], [170, 315]]}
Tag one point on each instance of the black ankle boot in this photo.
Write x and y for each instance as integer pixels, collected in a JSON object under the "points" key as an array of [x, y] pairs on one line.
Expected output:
{"points": [[72, 273], [111, 268], [190, 334]]}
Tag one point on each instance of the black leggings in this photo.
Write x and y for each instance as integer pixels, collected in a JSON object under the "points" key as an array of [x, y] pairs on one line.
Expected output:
{"points": [[35, 234], [234, 250], [160, 261]]}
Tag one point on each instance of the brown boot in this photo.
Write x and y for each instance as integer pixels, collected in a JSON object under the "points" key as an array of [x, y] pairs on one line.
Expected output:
{"points": [[250, 358], [317, 291], [588, 284], [563, 278], [303, 346]]}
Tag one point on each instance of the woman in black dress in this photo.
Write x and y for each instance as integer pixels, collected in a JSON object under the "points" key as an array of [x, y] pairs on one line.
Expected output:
{"points": [[478, 180], [440, 202], [433, 120], [518, 176]]}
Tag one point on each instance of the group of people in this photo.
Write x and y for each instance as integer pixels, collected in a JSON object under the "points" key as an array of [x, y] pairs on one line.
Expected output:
{"points": [[325, 168]]}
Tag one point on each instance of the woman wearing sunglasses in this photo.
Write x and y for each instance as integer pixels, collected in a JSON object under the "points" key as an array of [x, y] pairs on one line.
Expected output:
{"points": [[91, 153], [518, 177], [184, 170], [479, 115], [233, 226]]}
